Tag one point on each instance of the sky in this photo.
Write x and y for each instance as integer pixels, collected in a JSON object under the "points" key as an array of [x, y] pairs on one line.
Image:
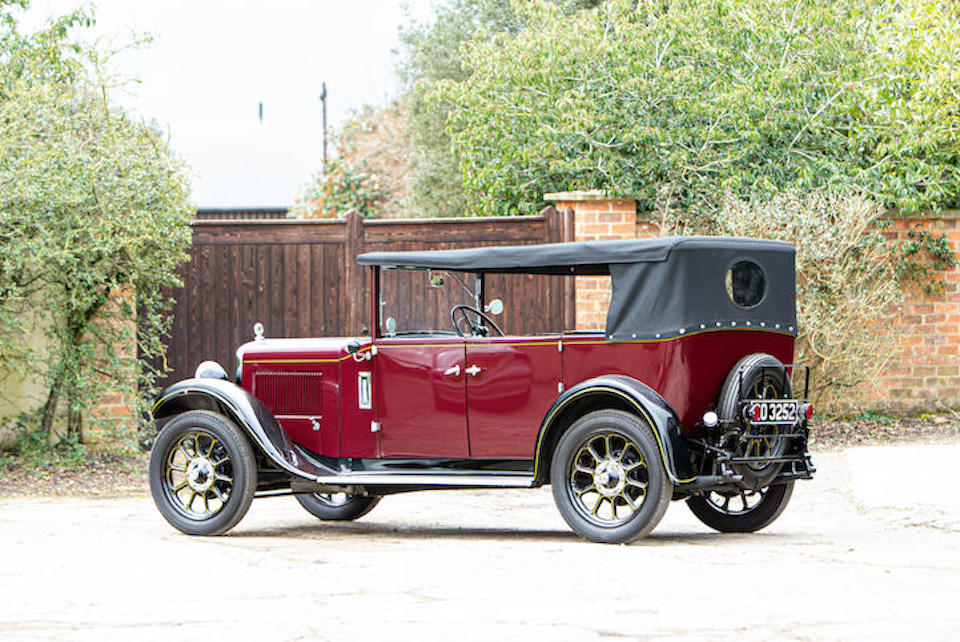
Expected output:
{"points": [[212, 62]]}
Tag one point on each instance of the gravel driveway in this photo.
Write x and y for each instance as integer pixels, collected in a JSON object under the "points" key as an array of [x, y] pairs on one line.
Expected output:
{"points": [[869, 549]]}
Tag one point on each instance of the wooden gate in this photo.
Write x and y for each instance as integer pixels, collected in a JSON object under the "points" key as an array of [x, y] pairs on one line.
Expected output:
{"points": [[300, 278]]}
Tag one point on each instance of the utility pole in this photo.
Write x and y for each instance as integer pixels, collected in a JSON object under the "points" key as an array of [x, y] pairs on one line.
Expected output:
{"points": [[323, 99]]}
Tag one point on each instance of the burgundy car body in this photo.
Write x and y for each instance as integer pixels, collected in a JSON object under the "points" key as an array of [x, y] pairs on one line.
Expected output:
{"points": [[495, 414]]}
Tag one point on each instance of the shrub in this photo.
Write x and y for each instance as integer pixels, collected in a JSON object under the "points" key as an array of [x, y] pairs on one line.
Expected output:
{"points": [[94, 224], [347, 184], [849, 281], [693, 99]]}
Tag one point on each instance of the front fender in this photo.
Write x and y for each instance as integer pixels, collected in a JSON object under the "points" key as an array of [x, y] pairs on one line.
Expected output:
{"points": [[622, 392], [247, 411]]}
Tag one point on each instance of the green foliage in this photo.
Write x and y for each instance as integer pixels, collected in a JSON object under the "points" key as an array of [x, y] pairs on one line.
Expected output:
{"points": [[680, 102], [94, 222], [431, 52], [35, 451], [921, 257]]}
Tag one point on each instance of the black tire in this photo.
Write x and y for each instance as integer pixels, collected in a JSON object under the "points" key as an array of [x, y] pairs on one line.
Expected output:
{"points": [[631, 458], [745, 518], [329, 508], [202, 454], [755, 368]]}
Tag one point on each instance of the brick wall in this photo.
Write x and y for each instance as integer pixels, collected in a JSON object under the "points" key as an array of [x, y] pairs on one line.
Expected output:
{"points": [[923, 375], [925, 372], [596, 218]]}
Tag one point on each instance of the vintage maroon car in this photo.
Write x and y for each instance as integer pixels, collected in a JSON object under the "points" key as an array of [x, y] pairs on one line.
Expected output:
{"points": [[686, 394]]}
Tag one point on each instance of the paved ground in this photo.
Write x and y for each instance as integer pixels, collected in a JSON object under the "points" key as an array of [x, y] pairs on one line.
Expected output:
{"points": [[870, 549]]}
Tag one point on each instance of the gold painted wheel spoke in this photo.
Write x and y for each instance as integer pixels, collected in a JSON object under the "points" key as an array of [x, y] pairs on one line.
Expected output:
{"points": [[596, 507], [219, 495], [593, 453], [583, 469], [608, 444], [590, 488], [223, 478], [629, 501]]}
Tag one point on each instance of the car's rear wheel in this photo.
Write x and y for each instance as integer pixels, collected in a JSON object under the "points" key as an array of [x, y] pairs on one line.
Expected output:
{"points": [[757, 376], [608, 479], [338, 507], [742, 511], [203, 473]]}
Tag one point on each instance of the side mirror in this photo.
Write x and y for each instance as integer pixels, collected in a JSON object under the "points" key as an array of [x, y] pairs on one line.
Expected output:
{"points": [[494, 307]]}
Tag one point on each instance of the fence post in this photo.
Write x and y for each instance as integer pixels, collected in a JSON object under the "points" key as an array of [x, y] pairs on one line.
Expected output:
{"points": [[352, 278]]}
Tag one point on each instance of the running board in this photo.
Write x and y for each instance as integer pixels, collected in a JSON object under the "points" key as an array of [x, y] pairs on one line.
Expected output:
{"points": [[421, 479]]}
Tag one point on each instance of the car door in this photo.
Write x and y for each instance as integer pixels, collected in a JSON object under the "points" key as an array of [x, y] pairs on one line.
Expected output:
{"points": [[511, 383], [421, 397]]}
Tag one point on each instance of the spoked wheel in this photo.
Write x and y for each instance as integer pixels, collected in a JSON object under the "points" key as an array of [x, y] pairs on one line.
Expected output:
{"points": [[608, 480], [757, 376], [742, 511], [338, 506], [202, 473]]}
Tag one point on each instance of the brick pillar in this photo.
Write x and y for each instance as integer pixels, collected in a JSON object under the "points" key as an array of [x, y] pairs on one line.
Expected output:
{"points": [[111, 416], [596, 217]]}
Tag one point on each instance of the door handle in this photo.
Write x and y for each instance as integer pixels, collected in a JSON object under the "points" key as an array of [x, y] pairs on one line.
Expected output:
{"points": [[473, 371], [453, 371]]}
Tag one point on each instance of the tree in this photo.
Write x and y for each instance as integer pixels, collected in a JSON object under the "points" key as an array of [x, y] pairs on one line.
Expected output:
{"points": [[431, 53], [681, 102], [94, 222], [368, 172]]}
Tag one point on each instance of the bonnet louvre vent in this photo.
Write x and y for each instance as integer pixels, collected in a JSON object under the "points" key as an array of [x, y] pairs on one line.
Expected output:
{"points": [[288, 393]]}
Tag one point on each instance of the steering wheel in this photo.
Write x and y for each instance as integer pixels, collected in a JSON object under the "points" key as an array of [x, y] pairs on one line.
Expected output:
{"points": [[474, 326]]}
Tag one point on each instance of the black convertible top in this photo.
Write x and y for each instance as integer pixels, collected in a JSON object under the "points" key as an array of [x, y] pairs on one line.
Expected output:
{"points": [[584, 257], [662, 287]]}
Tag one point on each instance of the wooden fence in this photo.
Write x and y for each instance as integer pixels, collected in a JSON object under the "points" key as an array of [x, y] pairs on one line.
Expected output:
{"points": [[300, 278]]}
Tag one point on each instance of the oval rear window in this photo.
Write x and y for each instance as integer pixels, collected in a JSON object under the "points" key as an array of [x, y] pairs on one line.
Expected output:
{"points": [[746, 284]]}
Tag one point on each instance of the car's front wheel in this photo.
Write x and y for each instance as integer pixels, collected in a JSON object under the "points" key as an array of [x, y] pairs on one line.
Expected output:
{"points": [[203, 473], [338, 507], [608, 479], [743, 511]]}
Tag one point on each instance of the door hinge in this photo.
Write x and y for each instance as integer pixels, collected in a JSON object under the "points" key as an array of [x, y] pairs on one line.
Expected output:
{"points": [[560, 387], [559, 346], [374, 426]]}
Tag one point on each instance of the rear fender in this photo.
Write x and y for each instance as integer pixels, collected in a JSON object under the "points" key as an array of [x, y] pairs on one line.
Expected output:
{"points": [[247, 411], [623, 393]]}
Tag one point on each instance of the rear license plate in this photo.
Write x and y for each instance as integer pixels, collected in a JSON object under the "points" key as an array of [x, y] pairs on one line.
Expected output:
{"points": [[772, 411]]}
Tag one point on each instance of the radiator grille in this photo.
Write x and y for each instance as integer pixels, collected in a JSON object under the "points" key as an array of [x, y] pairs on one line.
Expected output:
{"points": [[288, 393]]}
